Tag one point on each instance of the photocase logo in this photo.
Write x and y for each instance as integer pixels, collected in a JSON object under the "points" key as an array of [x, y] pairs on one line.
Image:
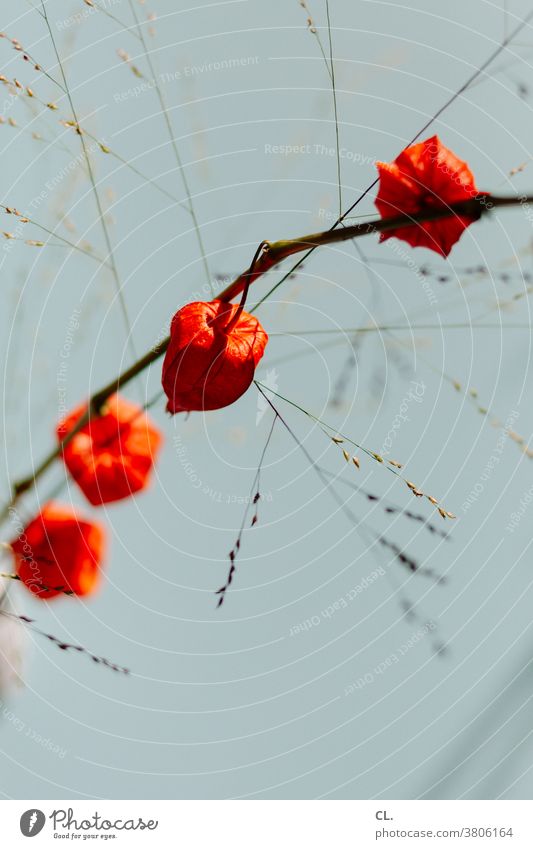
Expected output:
{"points": [[32, 822], [64, 824]]}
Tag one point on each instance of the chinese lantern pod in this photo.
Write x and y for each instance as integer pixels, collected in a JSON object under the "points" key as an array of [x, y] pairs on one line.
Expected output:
{"points": [[426, 176], [112, 456], [60, 551], [211, 359]]}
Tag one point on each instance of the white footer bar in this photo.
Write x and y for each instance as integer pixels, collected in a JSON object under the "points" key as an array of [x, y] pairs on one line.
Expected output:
{"points": [[269, 824]]}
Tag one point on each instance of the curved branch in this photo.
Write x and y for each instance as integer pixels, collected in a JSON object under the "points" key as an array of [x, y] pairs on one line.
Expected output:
{"points": [[268, 255]]}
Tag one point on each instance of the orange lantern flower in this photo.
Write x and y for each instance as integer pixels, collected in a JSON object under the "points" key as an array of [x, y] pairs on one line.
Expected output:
{"points": [[424, 177], [111, 457], [59, 552], [211, 359]]}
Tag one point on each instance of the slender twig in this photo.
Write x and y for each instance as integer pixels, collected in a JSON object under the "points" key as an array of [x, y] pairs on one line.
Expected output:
{"points": [[41, 587], [27, 56], [150, 181], [505, 14], [61, 644], [255, 495], [371, 538], [174, 148], [387, 506], [118, 287], [122, 25], [411, 328], [314, 31], [66, 242], [102, 145], [356, 341], [377, 538], [339, 439], [334, 92]]}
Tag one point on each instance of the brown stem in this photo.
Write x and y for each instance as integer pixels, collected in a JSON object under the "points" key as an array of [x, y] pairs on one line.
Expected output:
{"points": [[270, 255], [264, 246]]}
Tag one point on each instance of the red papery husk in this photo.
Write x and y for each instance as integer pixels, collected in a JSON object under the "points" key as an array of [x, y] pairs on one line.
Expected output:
{"points": [[60, 551], [425, 177], [211, 359], [112, 456]]}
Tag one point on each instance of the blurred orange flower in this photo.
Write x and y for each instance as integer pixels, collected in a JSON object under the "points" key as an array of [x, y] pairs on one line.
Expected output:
{"points": [[111, 457], [59, 552]]}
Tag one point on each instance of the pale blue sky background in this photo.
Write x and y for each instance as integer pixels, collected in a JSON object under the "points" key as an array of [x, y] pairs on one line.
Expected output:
{"points": [[227, 703]]}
